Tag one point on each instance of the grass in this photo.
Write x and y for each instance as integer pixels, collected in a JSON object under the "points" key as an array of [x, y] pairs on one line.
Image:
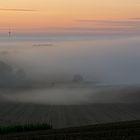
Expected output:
{"points": [[4, 129], [127, 130]]}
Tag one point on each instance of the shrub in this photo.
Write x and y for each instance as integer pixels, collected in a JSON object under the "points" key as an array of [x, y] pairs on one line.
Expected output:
{"points": [[23, 128]]}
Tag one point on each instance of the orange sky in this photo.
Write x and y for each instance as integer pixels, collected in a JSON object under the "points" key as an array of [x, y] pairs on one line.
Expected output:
{"points": [[42, 14]]}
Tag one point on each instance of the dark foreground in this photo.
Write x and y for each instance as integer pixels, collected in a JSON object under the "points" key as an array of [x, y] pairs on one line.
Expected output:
{"points": [[67, 116], [73, 122], [129, 130]]}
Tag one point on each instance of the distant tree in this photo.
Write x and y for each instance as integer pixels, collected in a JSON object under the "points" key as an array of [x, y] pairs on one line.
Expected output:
{"points": [[20, 77], [6, 74], [9, 77], [5, 68], [78, 78], [20, 74]]}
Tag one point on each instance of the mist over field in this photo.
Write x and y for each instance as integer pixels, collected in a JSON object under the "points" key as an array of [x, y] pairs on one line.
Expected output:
{"points": [[72, 71]]}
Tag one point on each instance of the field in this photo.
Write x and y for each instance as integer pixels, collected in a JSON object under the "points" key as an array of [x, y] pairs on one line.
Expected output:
{"points": [[129, 130], [72, 122], [63, 116]]}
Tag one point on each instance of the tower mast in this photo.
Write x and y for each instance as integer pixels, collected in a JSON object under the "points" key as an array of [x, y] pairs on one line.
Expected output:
{"points": [[9, 33]]}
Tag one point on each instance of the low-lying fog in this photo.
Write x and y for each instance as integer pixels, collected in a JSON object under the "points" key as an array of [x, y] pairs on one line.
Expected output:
{"points": [[82, 71], [74, 96]]}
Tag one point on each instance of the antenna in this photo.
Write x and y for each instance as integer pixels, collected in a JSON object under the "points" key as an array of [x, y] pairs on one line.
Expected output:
{"points": [[9, 33]]}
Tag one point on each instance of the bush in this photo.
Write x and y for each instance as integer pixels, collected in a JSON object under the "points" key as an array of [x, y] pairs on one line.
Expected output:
{"points": [[23, 128]]}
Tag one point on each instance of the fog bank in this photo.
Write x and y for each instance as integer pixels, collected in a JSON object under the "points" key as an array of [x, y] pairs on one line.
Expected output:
{"points": [[46, 74], [74, 96]]}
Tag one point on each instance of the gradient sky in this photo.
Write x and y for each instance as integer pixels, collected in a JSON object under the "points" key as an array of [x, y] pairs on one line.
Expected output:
{"points": [[54, 15]]}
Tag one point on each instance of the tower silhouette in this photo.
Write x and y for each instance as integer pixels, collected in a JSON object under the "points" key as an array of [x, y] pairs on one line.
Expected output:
{"points": [[9, 33]]}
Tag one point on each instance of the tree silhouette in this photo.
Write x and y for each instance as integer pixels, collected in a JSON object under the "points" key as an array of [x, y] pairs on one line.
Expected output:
{"points": [[78, 78]]}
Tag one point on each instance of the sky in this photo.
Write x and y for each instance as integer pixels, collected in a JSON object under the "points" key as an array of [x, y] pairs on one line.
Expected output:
{"points": [[68, 15]]}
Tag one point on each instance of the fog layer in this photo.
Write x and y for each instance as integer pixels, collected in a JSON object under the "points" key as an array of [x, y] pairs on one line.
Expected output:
{"points": [[45, 74]]}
